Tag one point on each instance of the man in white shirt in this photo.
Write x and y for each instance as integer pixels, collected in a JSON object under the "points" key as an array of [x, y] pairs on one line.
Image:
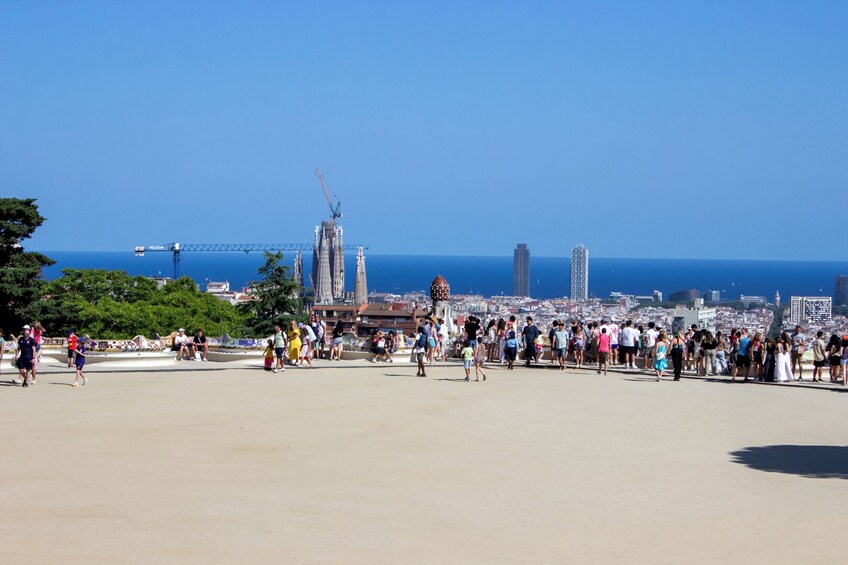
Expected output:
{"points": [[627, 341], [614, 332], [650, 341]]}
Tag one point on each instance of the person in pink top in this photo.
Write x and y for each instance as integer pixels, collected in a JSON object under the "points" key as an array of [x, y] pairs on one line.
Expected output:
{"points": [[603, 350]]}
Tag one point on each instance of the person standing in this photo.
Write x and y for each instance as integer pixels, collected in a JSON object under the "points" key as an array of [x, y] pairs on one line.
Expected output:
{"points": [[768, 368], [799, 345], [721, 353], [579, 345], [307, 338], [279, 344], [659, 355], [834, 356], [819, 356], [603, 350], [757, 355], [479, 358], [743, 358], [72, 347], [551, 333], [338, 341], [79, 362], [25, 356], [529, 335], [501, 336], [628, 343], [38, 336], [294, 343], [491, 340], [677, 353], [510, 348], [708, 350], [319, 329], [783, 364], [614, 333], [2, 347], [843, 363]]}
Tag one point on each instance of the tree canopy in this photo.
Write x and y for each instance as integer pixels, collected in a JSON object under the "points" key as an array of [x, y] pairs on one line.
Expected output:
{"points": [[20, 271], [277, 297]]}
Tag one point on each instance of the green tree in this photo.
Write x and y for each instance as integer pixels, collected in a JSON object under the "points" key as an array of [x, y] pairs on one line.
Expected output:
{"points": [[20, 271], [276, 297]]}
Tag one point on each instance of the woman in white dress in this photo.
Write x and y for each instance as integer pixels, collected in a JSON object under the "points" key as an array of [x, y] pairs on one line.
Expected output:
{"points": [[782, 365]]}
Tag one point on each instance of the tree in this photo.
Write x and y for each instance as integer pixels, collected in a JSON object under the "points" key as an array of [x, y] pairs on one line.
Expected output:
{"points": [[276, 297], [20, 271]]}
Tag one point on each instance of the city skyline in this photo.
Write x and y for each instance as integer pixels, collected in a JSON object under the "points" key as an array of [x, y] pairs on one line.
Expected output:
{"points": [[204, 122]]}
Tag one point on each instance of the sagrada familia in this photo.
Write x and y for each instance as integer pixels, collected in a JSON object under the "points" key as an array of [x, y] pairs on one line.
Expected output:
{"points": [[328, 270]]}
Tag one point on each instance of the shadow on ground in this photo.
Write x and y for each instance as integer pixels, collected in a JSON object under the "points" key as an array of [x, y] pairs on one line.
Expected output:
{"points": [[812, 461]]}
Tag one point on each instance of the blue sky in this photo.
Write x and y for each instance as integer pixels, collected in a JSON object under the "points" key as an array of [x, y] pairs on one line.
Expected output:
{"points": [[641, 129]]}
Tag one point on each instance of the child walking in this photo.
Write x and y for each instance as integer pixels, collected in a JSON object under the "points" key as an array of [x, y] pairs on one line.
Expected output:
{"points": [[269, 356], [79, 361], [479, 357], [467, 355]]}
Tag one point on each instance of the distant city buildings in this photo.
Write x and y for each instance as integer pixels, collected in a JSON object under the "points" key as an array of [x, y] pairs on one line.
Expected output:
{"points": [[840, 290], [747, 301], [521, 270], [683, 317], [816, 309], [580, 273], [658, 296], [684, 295], [712, 296], [777, 298]]}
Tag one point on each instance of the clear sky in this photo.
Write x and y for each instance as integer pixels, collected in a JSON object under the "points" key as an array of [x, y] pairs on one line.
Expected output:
{"points": [[641, 129]]}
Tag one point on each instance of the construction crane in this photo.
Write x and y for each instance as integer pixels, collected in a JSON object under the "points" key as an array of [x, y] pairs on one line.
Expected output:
{"points": [[176, 249], [335, 212]]}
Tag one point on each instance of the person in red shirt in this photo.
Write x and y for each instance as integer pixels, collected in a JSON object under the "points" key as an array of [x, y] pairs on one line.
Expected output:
{"points": [[72, 348], [603, 350]]}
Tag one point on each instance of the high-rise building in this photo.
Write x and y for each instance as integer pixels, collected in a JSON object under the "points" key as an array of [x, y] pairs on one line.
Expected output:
{"points": [[521, 270], [658, 296], [840, 290], [580, 273], [712, 296], [360, 286], [777, 298], [328, 263], [688, 295], [816, 309]]}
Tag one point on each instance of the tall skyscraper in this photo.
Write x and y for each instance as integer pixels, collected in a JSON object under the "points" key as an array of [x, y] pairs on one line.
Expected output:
{"points": [[328, 263], [840, 290], [521, 271], [360, 286], [580, 273]]}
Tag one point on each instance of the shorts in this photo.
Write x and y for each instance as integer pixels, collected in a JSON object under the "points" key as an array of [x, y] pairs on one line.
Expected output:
{"points": [[835, 360], [466, 363], [419, 357], [378, 350], [509, 353], [795, 356], [280, 352], [614, 346], [562, 352], [72, 353], [431, 343], [80, 363], [628, 349], [337, 341], [24, 364], [38, 347], [603, 356], [743, 361], [578, 347], [819, 363], [758, 357]]}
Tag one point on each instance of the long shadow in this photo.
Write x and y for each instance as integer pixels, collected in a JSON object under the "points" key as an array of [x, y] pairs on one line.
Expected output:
{"points": [[399, 375], [462, 380], [811, 461]]}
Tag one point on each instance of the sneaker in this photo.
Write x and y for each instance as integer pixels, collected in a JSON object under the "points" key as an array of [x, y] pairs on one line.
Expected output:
{"points": [[275, 371], [16, 381], [84, 381], [25, 385], [32, 382]]}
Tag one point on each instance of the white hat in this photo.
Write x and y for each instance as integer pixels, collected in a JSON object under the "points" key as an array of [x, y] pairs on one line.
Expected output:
{"points": [[181, 330], [27, 327]]}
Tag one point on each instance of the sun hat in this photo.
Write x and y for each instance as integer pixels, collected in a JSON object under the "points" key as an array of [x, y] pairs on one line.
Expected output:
{"points": [[26, 327], [181, 330]]}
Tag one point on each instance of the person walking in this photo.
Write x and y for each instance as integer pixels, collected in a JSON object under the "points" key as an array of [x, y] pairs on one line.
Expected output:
{"points": [[279, 343], [560, 344], [799, 344], [38, 336], [678, 343], [420, 351], [25, 356], [79, 362], [479, 358], [2, 347], [529, 335], [659, 355], [819, 356], [467, 355]]}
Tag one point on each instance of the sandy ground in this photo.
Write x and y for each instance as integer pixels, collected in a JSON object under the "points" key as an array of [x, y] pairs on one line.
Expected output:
{"points": [[375, 465]]}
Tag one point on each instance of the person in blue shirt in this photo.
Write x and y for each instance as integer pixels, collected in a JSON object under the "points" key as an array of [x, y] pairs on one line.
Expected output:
{"points": [[743, 357]]}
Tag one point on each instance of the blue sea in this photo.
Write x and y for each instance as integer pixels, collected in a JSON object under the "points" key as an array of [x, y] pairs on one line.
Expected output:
{"points": [[491, 276]]}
